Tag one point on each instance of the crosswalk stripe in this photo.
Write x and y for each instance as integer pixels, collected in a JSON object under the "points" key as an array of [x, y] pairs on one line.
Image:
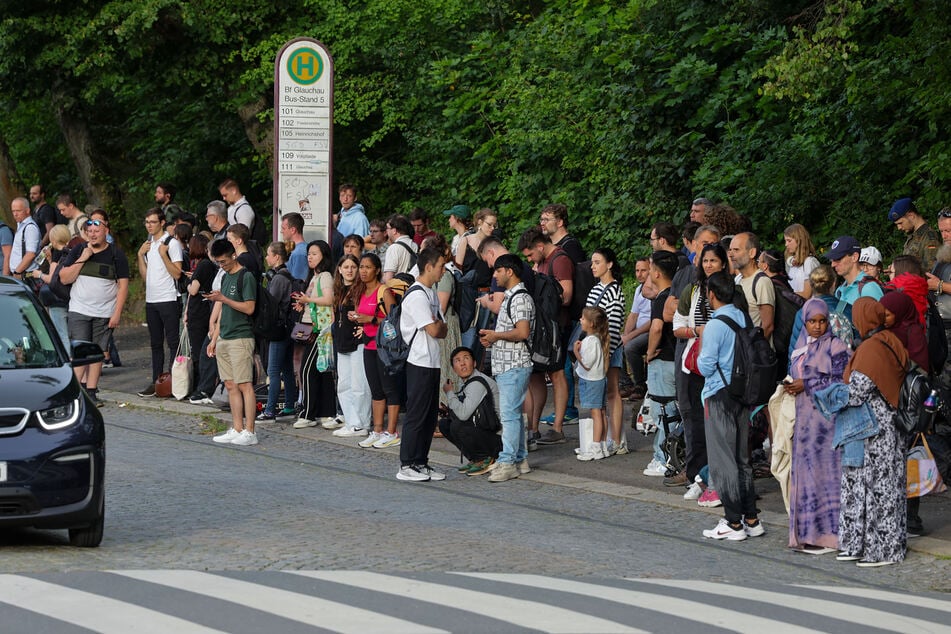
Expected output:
{"points": [[88, 610], [882, 595], [843, 611], [682, 608], [304, 608], [521, 612]]}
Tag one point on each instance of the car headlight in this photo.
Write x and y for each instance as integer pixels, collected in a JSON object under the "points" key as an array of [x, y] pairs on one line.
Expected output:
{"points": [[59, 416]]}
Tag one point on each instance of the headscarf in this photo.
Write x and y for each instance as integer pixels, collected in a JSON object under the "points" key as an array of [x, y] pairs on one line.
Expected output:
{"points": [[881, 356], [907, 327], [916, 287], [819, 351]]}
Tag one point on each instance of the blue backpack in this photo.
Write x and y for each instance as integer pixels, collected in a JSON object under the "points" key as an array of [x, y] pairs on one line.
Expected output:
{"points": [[390, 346]]}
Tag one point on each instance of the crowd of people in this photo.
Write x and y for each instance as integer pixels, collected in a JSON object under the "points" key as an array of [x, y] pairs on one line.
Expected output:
{"points": [[482, 332]]}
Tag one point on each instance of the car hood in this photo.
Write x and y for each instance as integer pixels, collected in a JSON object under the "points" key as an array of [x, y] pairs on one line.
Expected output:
{"points": [[37, 388]]}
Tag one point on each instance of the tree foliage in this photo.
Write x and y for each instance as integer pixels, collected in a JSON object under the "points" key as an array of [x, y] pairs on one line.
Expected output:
{"points": [[819, 112]]}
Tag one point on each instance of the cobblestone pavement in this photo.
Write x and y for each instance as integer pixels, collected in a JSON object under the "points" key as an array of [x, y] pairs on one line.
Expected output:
{"points": [[177, 500]]}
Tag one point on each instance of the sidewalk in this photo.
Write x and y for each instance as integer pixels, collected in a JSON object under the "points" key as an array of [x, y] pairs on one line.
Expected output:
{"points": [[619, 476]]}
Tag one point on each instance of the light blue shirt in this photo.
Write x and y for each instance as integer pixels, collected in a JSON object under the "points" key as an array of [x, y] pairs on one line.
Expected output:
{"points": [[716, 351], [353, 221], [26, 240], [297, 261], [848, 293]]}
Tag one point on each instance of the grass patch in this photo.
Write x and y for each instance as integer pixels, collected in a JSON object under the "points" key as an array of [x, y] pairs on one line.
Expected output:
{"points": [[211, 425]]}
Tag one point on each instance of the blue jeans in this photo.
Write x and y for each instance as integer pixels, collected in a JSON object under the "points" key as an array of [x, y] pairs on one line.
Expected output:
{"points": [[280, 367], [660, 382], [512, 387]]}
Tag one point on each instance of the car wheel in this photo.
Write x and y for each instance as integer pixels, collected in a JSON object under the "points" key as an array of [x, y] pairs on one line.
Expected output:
{"points": [[90, 536]]}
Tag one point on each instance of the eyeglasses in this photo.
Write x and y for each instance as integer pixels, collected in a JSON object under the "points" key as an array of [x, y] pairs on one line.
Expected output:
{"points": [[96, 223], [545, 219]]}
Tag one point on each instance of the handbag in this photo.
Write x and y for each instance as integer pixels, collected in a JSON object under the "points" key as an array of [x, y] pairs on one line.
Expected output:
{"points": [[691, 353], [323, 321], [182, 369], [163, 385], [302, 333], [923, 476]]}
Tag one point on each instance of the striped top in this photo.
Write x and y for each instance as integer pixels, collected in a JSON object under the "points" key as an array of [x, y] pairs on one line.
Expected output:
{"points": [[612, 301]]}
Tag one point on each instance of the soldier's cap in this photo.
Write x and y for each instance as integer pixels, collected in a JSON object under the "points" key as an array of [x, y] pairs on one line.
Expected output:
{"points": [[901, 207]]}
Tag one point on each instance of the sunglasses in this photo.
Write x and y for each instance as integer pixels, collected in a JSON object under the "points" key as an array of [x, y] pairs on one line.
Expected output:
{"points": [[945, 213], [96, 223]]}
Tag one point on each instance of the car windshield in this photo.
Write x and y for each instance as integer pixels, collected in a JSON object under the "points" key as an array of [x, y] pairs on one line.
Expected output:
{"points": [[25, 341]]}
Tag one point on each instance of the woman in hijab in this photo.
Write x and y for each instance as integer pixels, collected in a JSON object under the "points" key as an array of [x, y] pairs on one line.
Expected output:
{"points": [[872, 522], [818, 360], [901, 319]]}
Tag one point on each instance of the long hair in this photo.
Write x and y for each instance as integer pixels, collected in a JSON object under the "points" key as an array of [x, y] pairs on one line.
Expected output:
{"points": [[359, 288], [804, 246], [610, 256], [341, 290], [717, 249], [599, 324], [325, 263]]}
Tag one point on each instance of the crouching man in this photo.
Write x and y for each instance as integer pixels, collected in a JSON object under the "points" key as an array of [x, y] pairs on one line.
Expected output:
{"points": [[473, 421]]}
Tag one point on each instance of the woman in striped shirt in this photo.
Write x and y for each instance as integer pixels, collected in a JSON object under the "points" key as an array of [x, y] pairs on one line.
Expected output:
{"points": [[607, 294]]}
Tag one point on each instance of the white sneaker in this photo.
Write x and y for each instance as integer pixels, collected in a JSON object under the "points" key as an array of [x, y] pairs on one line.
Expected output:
{"points": [[723, 530], [655, 469], [347, 432], [410, 473], [387, 440], [302, 422], [226, 437], [695, 490], [594, 452], [245, 438], [329, 423], [521, 466], [367, 442], [434, 475]]}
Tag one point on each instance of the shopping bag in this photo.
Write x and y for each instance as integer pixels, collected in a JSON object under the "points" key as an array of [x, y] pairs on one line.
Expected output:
{"points": [[182, 369], [923, 476], [585, 434]]}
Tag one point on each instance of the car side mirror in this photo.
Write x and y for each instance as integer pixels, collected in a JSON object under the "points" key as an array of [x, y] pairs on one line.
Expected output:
{"points": [[85, 353]]}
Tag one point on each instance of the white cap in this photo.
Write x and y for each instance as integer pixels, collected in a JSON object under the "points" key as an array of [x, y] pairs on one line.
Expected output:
{"points": [[871, 255]]}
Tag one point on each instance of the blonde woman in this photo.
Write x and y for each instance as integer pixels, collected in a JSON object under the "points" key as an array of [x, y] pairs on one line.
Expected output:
{"points": [[51, 254], [800, 258]]}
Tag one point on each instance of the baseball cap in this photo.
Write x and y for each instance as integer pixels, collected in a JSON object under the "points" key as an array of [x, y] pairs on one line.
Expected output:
{"points": [[901, 207], [843, 245], [871, 255], [459, 211]]}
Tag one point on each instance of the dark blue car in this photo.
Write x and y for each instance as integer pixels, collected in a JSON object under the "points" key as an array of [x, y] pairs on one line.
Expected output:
{"points": [[52, 437]]}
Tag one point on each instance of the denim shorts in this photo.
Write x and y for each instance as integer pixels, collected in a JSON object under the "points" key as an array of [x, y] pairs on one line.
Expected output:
{"points": [[591, 393], [617, 358]]}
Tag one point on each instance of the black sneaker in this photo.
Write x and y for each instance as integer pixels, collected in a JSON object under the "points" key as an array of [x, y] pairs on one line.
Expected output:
{"points": [[148, 392]]}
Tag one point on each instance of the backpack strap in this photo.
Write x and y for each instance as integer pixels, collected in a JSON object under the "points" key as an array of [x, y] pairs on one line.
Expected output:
{"points": [[485, 384], [551, 263], [756, 279], [597, 302], [735, 327]]}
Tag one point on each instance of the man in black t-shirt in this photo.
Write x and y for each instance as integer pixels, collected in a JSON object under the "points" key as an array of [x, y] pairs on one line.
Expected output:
{"points": [[45, 215], [660, 353]]}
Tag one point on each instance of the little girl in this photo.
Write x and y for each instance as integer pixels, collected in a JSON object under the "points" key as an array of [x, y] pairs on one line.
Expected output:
{"points": [[592, 357]]}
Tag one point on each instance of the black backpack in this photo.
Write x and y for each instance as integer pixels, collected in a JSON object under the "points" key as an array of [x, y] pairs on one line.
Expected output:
{"points": [[392, 349], [911, 416], [266, 320], [545, 345], [753, 379], [484, 417], [788, 303], [464, 297], [582, 281]]}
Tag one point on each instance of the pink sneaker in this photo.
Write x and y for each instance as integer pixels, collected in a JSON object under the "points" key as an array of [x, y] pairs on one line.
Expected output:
{"points": [[709, 498]]}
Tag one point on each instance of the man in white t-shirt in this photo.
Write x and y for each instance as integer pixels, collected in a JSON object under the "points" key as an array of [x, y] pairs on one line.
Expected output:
{"points": [[160, 265], [401, 256], [422, 324], [239, 209]]}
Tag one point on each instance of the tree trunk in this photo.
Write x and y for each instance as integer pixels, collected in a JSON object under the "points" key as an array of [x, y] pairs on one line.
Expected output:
{"points": [[260, 134], [99, 190], [9, 183]]}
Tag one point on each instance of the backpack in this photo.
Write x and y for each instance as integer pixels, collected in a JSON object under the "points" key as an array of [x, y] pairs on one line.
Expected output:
{"points": [[936, 336], [484, 417], [266, 320], [181, 284], [841, 327], [788, 303], [297, 286], [753, 379], [464, 297], [911, 416], [582, 281], [392, 349], [545, 345], [412, 255]]}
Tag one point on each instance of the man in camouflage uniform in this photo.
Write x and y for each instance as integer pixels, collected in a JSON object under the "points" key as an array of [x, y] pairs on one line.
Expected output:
{"points": [[923, 241]]}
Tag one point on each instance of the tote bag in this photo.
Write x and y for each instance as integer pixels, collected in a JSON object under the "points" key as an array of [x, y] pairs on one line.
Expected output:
{"points": [[182, 369]]}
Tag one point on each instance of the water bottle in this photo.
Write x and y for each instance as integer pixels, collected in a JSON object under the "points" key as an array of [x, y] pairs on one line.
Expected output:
{"points": [[929, 411], [389, 331]]}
